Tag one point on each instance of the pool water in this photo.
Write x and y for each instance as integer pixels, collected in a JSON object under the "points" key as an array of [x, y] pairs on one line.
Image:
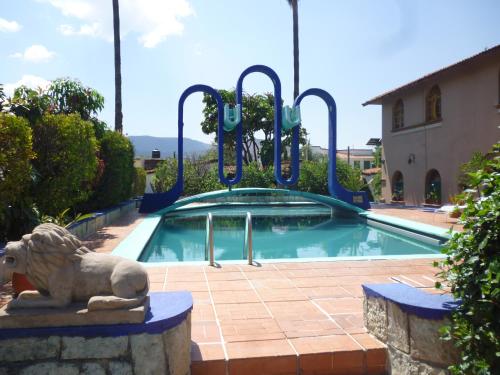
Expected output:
{"points": [[278, 233]]}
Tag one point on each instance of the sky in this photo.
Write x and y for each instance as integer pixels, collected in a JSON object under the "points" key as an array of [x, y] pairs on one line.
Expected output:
{"points": [[354, 49]]}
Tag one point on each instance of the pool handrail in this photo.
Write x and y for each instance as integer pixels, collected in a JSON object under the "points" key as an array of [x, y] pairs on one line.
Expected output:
{"points": [[248, 244], [209, 240]]}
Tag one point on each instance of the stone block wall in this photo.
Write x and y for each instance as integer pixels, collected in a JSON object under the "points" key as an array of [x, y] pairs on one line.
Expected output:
{"points": [[84, 228], [164, 353], [413, 343]]}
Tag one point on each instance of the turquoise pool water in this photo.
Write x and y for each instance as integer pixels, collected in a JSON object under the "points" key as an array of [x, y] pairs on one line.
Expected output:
{"points": [[280, 232]]}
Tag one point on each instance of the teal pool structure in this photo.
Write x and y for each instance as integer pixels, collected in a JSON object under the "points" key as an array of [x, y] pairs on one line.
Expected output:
{"points": [[286, 226]]}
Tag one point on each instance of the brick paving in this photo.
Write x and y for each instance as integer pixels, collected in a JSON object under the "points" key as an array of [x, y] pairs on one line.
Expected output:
{"points": [[280, 318]]}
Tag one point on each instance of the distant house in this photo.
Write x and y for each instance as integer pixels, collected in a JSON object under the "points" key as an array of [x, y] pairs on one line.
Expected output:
{"points": [[360, 158], [433, 125]]}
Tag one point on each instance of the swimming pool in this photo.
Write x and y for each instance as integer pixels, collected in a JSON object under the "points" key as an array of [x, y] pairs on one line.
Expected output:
{"points": [[287, 226], [280, 232]]}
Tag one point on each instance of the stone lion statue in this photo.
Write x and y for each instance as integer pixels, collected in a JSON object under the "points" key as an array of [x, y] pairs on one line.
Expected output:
{"points": [[64, 271]]}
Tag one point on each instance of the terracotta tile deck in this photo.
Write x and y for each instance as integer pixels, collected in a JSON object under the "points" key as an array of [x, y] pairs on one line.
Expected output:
{"points": [[279, 318]]}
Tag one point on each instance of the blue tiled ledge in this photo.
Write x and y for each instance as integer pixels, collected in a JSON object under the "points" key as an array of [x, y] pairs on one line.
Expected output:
{"points": [[166, 310], [413, 300]]}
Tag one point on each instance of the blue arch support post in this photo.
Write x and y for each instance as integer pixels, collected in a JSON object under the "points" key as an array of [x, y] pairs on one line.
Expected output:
{"points": [[277, 123], [359, 198], [155, 201]]}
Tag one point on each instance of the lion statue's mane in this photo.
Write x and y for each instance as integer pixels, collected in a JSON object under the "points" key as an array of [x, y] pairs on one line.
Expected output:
{"points": [[49, 247]]}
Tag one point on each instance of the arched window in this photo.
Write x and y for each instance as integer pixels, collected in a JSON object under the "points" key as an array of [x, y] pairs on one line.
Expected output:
{"points": [[433, 104], [398, 194], [433, 187], [398, 115]]}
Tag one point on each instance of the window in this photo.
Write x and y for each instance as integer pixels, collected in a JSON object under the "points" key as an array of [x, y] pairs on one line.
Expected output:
{"points": [[433, 187], [433, 104], [367, 164], [398, 187], [357, 164], [398, 114]]}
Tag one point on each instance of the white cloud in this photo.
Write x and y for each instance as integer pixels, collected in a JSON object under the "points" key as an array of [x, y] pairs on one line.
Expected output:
{"points": [[9, 26], [85, 30], [36, 53], [28, 80], [151, 20]]}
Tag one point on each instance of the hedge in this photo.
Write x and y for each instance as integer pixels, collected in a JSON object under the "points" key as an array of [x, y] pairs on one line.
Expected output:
{"points": [[65, 163]]}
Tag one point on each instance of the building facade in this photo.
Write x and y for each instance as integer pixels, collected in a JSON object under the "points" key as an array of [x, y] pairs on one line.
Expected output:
{"points": [[433, 125]]}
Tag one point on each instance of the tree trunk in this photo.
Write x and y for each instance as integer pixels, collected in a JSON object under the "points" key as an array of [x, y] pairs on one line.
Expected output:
{"points": [[118, 74], [295, 12]]}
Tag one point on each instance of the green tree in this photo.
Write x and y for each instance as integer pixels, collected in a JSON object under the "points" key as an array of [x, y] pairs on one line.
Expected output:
{"points": [[63, 96], [295, 14], [258, 115], [118, 68], [472, 269], [65, 163], [115, 184], [15, 175]]}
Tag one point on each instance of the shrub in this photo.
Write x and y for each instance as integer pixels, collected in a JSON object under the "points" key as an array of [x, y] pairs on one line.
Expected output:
{"points": [[15, 156], [15, 176], [65, 162], [313, 177], [199, 176], [472, 268], [254, 176], [139, 185], [478, 161], [115, 184]]}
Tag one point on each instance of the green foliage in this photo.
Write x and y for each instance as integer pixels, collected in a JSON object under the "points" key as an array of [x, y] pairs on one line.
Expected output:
{"points": [[349, 177], [258, 115], [472, 268], [2, 97], [15, 156], [15, 173], [29, 103], [139, 185], [313, 177], [115, 184], [63, 96], [477, 162], [65, 163], [254, 176], [199, 176], [376, 184]]}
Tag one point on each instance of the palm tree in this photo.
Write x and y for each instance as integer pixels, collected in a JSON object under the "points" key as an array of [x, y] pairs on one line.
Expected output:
{"points": [[118, 74], [295, 12]]}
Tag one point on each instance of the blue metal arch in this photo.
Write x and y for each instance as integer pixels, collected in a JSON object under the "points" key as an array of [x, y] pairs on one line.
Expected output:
{"points": [[360, 198], [154, 201], [277, 123]]}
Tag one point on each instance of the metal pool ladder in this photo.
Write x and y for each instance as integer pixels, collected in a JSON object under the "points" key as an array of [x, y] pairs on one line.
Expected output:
{"points": [[247, 245], [209, 240]]}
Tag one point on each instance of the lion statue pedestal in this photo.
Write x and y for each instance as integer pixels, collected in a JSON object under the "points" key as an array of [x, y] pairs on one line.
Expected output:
{"points": [[75, 286]]}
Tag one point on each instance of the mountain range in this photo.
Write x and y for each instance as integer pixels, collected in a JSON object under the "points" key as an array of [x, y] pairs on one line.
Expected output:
{"points": [[144, 144]]}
